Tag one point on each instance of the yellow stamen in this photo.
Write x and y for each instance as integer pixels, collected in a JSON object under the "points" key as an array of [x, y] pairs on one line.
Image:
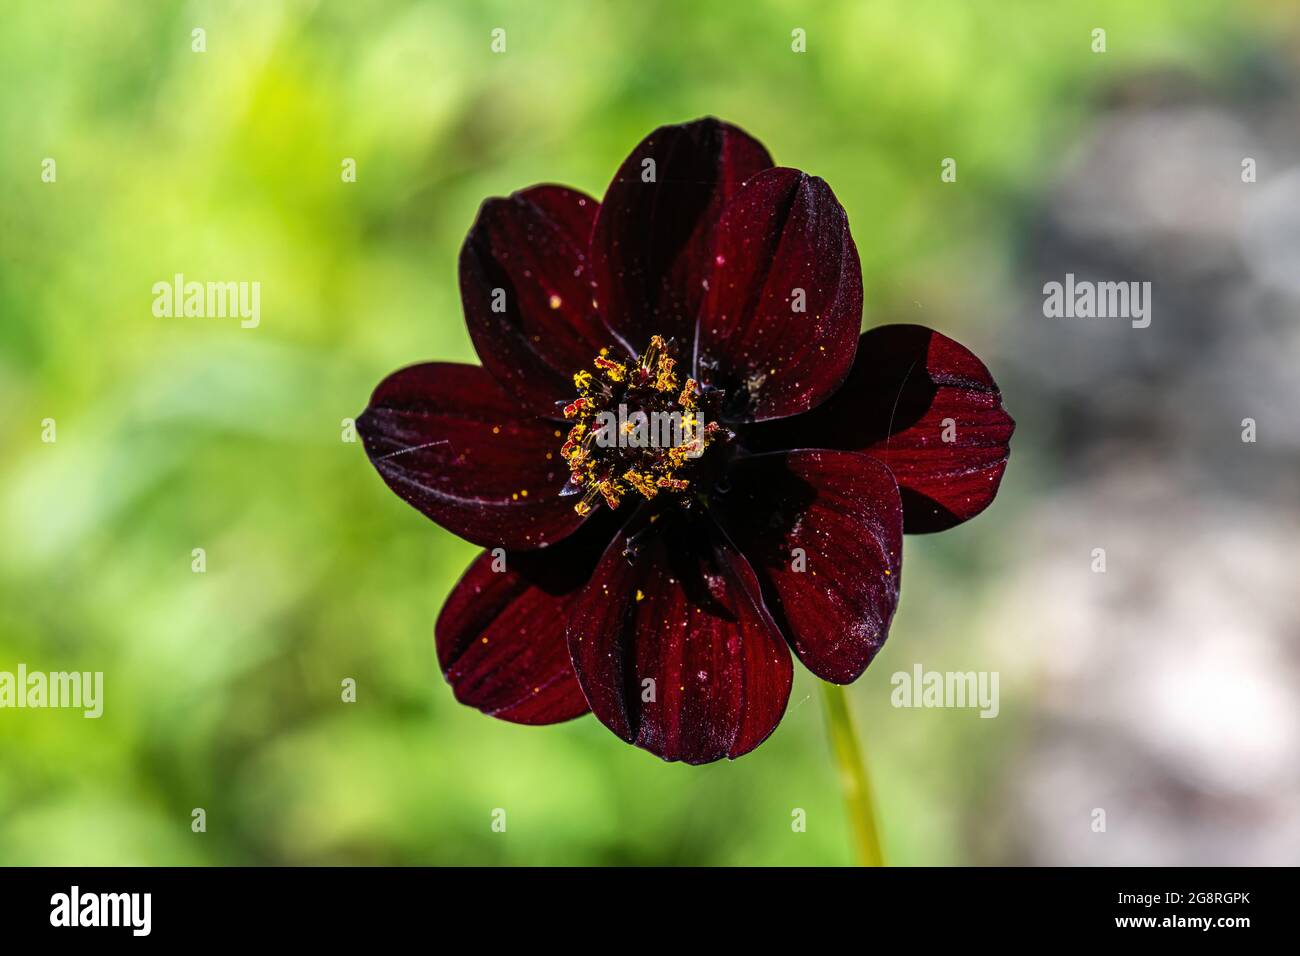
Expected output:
{"points": [[665, 380], [642, 483], [614, 371], [687, 398]]}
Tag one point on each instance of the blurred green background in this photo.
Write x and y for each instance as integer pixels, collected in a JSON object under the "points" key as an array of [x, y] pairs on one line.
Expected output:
{"points": [[223, 688]]}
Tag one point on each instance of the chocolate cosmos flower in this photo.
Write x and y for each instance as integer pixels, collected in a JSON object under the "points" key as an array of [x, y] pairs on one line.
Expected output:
{"points": [[662, 586]]}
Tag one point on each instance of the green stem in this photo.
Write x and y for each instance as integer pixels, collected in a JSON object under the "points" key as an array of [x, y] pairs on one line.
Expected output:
{"points": [[853, 776]]}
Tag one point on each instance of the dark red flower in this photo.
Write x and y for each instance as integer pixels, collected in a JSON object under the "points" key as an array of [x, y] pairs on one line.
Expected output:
{"points": [[662, 585]]}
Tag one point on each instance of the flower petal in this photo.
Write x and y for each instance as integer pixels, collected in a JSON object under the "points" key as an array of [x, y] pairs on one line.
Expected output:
{"points": [[784, 306], [823, 531], [653, 240], [500, 635], [453, 444], [926, 407], [526, 288], [673, 647]]}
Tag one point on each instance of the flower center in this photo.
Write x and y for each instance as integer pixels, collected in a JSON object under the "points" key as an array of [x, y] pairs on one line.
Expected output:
{"points": [[636, 429]]}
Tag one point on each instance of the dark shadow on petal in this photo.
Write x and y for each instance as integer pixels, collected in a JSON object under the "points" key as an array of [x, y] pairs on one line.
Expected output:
{"points": [[924, 514]]}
